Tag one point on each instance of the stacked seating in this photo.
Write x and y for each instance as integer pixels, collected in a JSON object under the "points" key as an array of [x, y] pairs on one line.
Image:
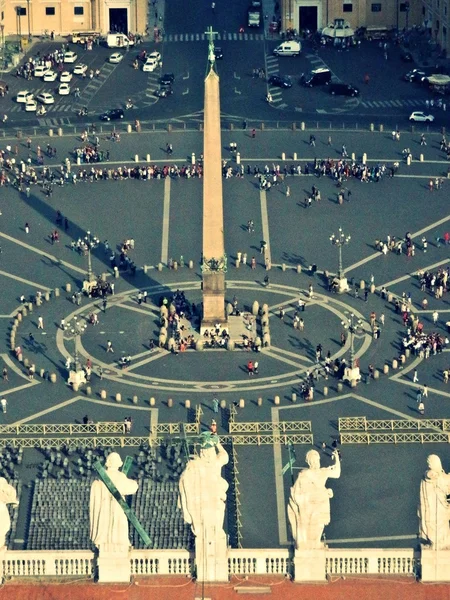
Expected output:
{"points": [[59, 518], [156, 507], [10, 458]]}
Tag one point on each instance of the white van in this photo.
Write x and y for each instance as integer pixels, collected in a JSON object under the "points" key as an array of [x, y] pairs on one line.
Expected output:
{"points": [[291, 48], [118, 40]]}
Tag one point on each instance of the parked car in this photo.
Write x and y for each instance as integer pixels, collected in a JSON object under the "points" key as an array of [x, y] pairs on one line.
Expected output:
{"points": [[65, 77], [50, 76], [414, 75], [150, 65], [80, 69], [343, 89], [115, 58], [164, 92], [421, 117], [64, 89], [167, 79], [23, 96], [45, 98], [317, 77], [282, 81], [70, 57], [40, 70], [31, 105], [112, 115]]}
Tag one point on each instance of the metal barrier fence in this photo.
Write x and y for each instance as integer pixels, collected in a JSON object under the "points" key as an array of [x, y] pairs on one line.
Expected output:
{"points": [[269, 427], [394, 438], [363, 424]]}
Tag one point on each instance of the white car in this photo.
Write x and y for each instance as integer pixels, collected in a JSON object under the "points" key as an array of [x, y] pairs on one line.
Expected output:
{"points": [[115, 58], [64, 89], [31, 105], [80, 69], [45, 98], [70, 57], [155, 55], [23, 96], [421, 117], [40, 70], [65, 77], [150, 65], [50, 76]]}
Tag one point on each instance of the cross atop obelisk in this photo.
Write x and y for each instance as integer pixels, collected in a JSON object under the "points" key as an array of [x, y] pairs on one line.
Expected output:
{"points": [[214, 263]]}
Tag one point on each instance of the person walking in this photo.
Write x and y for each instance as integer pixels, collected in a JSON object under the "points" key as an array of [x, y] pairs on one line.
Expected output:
{"points": [[421, 407], [215, 404], [27, 228], [104, 304], [415, 376], [435, 317], [250, 368], [109, 346], [40, 323], [5, 374], [425, 391], [4, 403]]}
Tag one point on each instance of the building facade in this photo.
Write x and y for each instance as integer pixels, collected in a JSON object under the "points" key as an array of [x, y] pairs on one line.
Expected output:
{"points": [[36, 17], [436, 19], [317, 14]]}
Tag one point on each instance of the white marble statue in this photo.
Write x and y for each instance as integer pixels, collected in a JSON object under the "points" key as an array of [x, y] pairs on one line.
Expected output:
{"points": [[434, 509], [203, 493], [109, 524], [8, 495], [309, 503]]}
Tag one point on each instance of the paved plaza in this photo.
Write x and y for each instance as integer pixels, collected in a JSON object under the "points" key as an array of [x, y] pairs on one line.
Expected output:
{"points": [[376, 497]]}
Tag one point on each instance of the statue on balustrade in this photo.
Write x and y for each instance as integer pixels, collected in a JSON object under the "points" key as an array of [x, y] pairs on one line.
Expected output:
{"points": [[8, 495], [109, 524], [309, 503], [203, 493], [434, 509]]}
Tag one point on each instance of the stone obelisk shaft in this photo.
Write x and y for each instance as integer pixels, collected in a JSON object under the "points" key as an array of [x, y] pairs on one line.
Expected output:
{"points": [[213, 236]]}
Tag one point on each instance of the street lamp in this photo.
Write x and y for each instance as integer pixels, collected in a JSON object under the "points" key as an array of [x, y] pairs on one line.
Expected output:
{"points": [[19, 25], [2, 28], [354, 326], [340, 240], [91, 242], [73, 331], [29, 22]]}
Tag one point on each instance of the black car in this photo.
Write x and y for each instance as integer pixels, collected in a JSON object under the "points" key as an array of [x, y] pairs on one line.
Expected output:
{"points": [[164, 92], [167, 79], [218, 53], [112, 115], [343, 89], [280, 81], [414, 75]]}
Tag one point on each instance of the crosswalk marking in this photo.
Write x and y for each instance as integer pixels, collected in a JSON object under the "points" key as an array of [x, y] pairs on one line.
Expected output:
{"points": [[227, 36], [391, 103]]}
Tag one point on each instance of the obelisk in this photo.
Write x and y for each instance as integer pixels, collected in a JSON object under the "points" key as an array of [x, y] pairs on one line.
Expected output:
{"points": [[214, 261]]}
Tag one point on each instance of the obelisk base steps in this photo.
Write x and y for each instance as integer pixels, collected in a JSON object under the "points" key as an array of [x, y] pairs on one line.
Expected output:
{"points": [[213, 302]]}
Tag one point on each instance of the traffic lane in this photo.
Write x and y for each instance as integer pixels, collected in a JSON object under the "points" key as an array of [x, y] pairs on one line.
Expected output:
{"points": [[241, 202], [185, 227], [200, 16], [241, 93], [189, 69]]}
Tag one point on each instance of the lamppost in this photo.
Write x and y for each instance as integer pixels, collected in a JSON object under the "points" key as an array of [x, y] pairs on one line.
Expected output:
{"points": [[407, 14], [340, 240], [73, 331], [29, 21], [353, 325], [2, 28], [19, 25], [91, 242]]}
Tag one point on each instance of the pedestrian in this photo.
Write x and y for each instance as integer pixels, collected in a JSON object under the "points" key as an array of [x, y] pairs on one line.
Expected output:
{"points": [[266, 281], [68, 362], [423, 141], [281, 313], [288, 191], [250, 368], [253, 263], [329, 140], [100, 372], [40, 323], [366, 295], [5, 374], [112, 287], [27, 228], [213, 427], [256, 367], [139, 298], [435, 317], [421, 408], [109, 346], [382, 317], [445, 375], [215, 404], [104, 304], [144, 296], [301, 325], [419, 396], [4, 403], [425, 391], [253, 133], [415, 376], [311, 291], [62, 324]]}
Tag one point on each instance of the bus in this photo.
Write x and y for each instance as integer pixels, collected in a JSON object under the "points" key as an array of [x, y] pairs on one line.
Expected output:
{"points": [[83, 37]]}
